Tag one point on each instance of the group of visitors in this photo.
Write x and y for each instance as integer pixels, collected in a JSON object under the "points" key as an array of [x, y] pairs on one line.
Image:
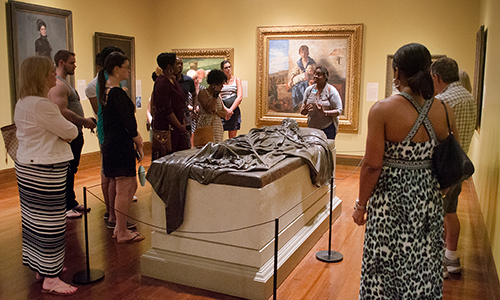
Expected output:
{"points": [[179, 104], [400, 199]]}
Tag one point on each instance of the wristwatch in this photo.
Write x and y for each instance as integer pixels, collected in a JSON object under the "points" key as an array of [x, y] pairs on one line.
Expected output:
{"points": [[359, 207]]}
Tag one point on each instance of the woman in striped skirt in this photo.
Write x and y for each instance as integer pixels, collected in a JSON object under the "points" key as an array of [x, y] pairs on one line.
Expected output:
{"points": [[41, 169]]}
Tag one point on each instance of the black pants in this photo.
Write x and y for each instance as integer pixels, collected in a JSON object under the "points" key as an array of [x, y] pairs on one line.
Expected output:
{"points": [[76, 148]]}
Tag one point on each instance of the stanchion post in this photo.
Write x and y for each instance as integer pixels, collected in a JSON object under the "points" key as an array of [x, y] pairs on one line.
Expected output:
{"points": [[330, 256], [88, 275], [276, 248]]}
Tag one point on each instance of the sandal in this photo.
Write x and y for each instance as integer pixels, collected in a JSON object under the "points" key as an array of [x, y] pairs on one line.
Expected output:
{"points": [[137, 238], [54, 290], [81, 208], [73, 214]]}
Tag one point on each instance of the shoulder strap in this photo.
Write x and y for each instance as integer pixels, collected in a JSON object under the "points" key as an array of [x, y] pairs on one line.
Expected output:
{"points": [[422, 117], [447, 118]]}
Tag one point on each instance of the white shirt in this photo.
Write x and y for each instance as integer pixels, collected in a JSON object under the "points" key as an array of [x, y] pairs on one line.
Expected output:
{"points": [[41, 131], [90, 90]]}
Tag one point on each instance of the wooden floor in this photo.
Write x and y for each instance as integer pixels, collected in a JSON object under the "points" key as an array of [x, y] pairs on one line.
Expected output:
{"points": [[311, 279]]}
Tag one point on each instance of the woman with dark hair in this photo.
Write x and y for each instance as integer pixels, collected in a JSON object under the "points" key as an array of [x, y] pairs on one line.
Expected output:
{"points": [[41, 167], [322, 104], [211, 107], [231, 94], [42, 45], [399, 196], [168, 110], [120, 136]]}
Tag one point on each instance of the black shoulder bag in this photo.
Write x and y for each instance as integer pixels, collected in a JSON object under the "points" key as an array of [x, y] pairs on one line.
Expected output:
{"points": [[450, 162]]}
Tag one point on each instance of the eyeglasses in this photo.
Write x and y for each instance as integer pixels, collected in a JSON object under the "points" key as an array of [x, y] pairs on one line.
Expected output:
{"points": [[127, 67]]}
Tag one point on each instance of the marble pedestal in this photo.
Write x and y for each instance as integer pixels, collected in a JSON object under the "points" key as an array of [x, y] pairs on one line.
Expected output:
{"points": [[209, 252]]}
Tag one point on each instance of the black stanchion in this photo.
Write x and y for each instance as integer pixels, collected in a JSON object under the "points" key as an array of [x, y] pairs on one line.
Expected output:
{"points": [[88, 275], [275, 281], [330, 256]]}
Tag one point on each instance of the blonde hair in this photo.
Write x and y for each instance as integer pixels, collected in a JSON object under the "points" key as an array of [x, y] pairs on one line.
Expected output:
{"points": [[464, 80], [33, 76]]}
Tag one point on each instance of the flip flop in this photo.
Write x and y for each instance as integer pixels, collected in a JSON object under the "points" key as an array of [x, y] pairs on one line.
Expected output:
{"points": [[54, 292], [81, 208], [73, 214], [137, 238]]}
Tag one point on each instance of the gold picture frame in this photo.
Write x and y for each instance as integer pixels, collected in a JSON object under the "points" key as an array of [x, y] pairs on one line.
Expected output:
{"points": [[336, 47], [204, 58]]}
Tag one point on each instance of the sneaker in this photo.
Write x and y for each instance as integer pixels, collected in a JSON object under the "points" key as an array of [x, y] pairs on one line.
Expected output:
{"points": [[112, 225], [452, 266], [106, 216], [134, 199], [445, 272]]}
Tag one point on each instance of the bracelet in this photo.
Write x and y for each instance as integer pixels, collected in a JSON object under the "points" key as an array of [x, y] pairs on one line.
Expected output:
{"points": [[359, 207]]}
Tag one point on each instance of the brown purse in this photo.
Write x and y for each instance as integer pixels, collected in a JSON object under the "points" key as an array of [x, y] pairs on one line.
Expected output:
{"points": [[10, 140], [162, 142], [203, 135]]}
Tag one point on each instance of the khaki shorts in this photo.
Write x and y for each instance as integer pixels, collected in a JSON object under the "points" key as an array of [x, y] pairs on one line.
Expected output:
{"points": [[450, 202]]}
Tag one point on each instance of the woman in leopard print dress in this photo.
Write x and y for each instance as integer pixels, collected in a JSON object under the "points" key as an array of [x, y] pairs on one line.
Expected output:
{"points": [[399, 196]]}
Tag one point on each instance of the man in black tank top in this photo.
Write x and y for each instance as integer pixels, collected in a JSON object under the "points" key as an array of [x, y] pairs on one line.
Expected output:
{"points": [[68, 101]]}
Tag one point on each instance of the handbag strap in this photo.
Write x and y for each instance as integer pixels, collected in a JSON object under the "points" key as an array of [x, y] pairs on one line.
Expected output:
{"points": [[447, 118]]}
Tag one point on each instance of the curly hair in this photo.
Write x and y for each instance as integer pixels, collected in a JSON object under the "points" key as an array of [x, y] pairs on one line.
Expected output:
{"points": [[216, 77]]}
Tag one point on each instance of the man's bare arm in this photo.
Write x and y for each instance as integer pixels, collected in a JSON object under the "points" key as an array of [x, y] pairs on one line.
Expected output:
{"points": [[59, 95]]}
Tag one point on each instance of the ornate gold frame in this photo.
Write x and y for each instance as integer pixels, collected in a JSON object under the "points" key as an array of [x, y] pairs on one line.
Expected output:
{"points": [[354, 35], [222, 53]]}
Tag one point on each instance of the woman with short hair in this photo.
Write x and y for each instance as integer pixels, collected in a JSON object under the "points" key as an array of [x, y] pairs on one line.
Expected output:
{"points": [[41, 167], [322, 104], [211, 107]]}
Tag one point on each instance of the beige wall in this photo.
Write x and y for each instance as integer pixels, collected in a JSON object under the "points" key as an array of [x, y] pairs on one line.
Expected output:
{"points": [[88, 17], [486, 147], [445, 27]]}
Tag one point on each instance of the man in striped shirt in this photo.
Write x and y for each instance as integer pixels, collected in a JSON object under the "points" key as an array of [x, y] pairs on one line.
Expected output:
{"points": [[448, 89]]}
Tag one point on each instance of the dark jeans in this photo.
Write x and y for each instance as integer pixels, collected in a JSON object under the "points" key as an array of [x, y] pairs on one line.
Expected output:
{"points": [[76, 148]]}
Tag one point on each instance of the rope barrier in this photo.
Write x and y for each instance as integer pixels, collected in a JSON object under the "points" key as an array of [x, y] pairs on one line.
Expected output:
{"points": [[209, 232]]}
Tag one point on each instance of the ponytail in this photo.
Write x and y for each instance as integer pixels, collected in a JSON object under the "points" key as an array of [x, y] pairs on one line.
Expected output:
{"points": [[421, 83], [101, 85]]}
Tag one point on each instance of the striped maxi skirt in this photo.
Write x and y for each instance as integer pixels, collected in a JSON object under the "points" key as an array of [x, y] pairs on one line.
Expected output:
{"points": [[42, 191]]}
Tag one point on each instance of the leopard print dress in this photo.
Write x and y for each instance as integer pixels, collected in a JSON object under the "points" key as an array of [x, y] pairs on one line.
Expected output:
{"points": [[404, 248]]}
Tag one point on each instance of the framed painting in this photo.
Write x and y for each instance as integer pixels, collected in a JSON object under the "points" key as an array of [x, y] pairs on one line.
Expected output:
{"points": [[204, 60], [280, 73], [127, 45], [389, 74], [479, 73], [36, 30]]}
